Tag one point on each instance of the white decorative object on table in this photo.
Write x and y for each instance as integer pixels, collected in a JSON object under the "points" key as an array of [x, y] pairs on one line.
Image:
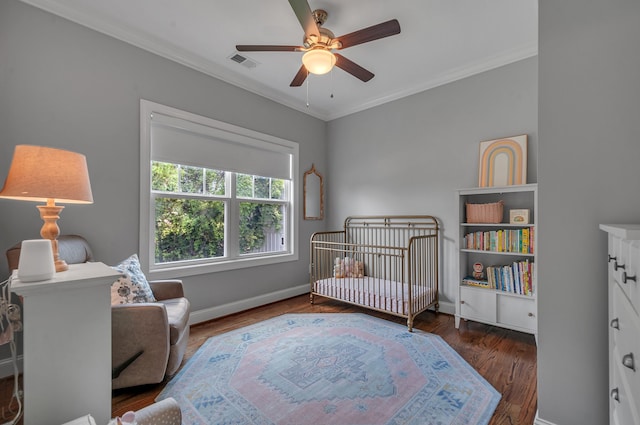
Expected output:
{"points": [[36, 260]]}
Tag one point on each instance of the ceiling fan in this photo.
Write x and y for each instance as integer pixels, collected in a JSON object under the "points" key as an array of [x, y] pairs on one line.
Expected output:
{"points": [[319, 43]]}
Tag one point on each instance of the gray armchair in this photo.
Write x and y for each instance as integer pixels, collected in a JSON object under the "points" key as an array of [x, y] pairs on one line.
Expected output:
{"points": [[148, 340]]}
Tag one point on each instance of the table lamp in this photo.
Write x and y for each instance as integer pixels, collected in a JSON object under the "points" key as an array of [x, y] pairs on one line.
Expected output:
{"points": [[43, 174]]}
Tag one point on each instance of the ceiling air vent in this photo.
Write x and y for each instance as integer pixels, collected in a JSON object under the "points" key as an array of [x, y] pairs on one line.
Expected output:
{"points": [[243, 60]]}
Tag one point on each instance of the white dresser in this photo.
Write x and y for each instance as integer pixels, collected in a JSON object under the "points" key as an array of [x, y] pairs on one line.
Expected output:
{"points": [[624, 322]]}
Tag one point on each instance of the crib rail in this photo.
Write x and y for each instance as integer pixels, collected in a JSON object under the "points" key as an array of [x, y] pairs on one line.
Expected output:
{"points": [[386, 263]]}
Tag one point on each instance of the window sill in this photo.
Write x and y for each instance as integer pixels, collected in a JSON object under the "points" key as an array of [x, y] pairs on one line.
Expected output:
{"points": [[180, 271]]}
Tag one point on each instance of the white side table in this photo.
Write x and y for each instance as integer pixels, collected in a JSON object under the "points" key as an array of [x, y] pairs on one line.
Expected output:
{"points": [[67, 344]]}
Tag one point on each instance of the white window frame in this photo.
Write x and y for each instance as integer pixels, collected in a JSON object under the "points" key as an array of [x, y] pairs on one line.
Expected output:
{"points": [[227, 132]]}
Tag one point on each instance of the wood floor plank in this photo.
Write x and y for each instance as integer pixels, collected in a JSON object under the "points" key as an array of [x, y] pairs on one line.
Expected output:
{"points": [[506, 359]]}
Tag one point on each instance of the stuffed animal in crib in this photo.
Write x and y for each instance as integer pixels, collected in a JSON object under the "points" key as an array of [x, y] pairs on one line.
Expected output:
{"points": [[338, 268], [348, 267]]}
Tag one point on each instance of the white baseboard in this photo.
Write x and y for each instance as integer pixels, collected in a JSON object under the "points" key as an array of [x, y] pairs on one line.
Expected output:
{"points": [[447, 308], [539, 421], [238, 306]]}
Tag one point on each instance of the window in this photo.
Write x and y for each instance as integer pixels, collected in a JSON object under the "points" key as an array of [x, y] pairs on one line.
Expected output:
{"points": [[214, 196]]}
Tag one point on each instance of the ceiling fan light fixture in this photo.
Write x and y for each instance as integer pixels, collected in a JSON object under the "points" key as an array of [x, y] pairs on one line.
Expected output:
{"points": [[318, 61]]}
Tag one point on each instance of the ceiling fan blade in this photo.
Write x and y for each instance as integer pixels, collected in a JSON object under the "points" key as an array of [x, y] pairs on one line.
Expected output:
{"points": [[300, 77], [303, 12], [375, 32], [353, 68], [266, 48]]}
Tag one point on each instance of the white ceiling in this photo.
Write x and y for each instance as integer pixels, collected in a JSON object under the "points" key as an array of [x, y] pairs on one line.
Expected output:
{"points": [[440, 41]]}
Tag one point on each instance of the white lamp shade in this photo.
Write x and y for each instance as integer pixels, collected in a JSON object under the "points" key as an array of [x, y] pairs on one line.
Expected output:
{"points": [[318, 61], [36, 260]]}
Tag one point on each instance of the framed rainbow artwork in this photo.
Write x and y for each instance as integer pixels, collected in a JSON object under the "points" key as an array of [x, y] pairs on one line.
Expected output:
{"points": [[503, 162]]}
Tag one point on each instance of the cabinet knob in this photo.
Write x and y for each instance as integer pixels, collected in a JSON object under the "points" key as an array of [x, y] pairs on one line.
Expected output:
{"points": [[625, 277], [617, 266], [462, 302], [627, 361], [615, 394], [530, 314], [611, 258], [615, 323]]}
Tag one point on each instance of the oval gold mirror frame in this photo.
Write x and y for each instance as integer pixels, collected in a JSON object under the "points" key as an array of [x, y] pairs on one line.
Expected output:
{"points": [[313, 195]]}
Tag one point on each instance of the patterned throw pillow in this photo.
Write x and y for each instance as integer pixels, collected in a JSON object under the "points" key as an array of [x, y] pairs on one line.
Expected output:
{"points": [[132, 286]]}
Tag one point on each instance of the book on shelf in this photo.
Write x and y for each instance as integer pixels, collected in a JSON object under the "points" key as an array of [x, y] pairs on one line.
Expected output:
{"points": [[476, 282], [502, 240], [515, 278]]}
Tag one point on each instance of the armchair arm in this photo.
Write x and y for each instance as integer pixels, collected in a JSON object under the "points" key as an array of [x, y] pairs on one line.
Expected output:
{"points": [[134, 328], [166, 289]]}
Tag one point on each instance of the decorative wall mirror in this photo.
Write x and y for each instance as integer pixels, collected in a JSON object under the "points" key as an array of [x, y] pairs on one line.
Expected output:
{"points": [[313, 195]]}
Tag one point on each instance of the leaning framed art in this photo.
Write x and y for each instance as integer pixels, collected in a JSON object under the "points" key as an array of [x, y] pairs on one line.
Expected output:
{"points": [[503, 162]]}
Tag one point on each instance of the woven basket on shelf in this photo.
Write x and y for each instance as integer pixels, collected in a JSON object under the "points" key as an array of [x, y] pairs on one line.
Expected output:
{"points": [[485, 213]]}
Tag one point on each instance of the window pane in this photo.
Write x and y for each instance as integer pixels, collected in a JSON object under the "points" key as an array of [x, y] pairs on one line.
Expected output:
{"points": [[262, 228], [244, 186], [191, 179], [256, 187], [164, 176], [215, 182], [277, 189], [261, 185], [188, 229]]}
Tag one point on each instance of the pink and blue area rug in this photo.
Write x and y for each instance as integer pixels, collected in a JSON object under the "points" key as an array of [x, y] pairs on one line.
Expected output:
{"points": [[350, 369]]}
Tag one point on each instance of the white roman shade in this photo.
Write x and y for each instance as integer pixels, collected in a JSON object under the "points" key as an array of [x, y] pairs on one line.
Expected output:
{"points": [[180, 141]]}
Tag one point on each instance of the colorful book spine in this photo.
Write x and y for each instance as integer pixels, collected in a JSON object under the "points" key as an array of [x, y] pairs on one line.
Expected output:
{"points": [[502, 240], [476, 282], [525, 241], [515, 278]]}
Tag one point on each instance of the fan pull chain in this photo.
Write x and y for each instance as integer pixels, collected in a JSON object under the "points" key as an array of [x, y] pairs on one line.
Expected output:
{"points": [[308, 88], [331, 76]]}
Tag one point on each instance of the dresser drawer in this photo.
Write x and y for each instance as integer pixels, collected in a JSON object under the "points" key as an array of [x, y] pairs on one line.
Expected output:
{"points": [[623, 359], [624, 323], [622, 408], [625, 269]]}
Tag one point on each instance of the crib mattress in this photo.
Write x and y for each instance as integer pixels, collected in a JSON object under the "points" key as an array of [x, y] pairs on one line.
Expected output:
{"points": [[374, 292]]}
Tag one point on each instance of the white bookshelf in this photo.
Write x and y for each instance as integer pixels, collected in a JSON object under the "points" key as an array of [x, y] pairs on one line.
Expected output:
{"points": [[487, 305]]}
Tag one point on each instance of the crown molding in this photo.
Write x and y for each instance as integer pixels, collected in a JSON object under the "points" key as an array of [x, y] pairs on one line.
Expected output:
{"points": [[198, 63]]}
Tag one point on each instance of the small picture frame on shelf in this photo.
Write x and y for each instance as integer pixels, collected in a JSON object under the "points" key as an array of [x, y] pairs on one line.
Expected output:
{"points": [[519, 216]]}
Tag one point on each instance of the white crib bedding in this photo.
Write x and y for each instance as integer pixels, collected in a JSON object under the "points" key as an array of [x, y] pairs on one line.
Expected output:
{"points": [[373, 292]]}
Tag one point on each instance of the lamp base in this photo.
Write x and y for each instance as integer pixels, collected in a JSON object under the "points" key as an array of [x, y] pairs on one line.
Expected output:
{"points": [[50, 214], [60, 264]]}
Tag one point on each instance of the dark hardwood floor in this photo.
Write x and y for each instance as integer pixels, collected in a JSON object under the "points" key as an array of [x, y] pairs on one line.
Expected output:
{"points": [[507, 359]]}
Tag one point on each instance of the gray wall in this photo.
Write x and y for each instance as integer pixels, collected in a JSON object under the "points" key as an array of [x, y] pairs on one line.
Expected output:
{"points": [[589, 149], [66, 86], [409, 156]]}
